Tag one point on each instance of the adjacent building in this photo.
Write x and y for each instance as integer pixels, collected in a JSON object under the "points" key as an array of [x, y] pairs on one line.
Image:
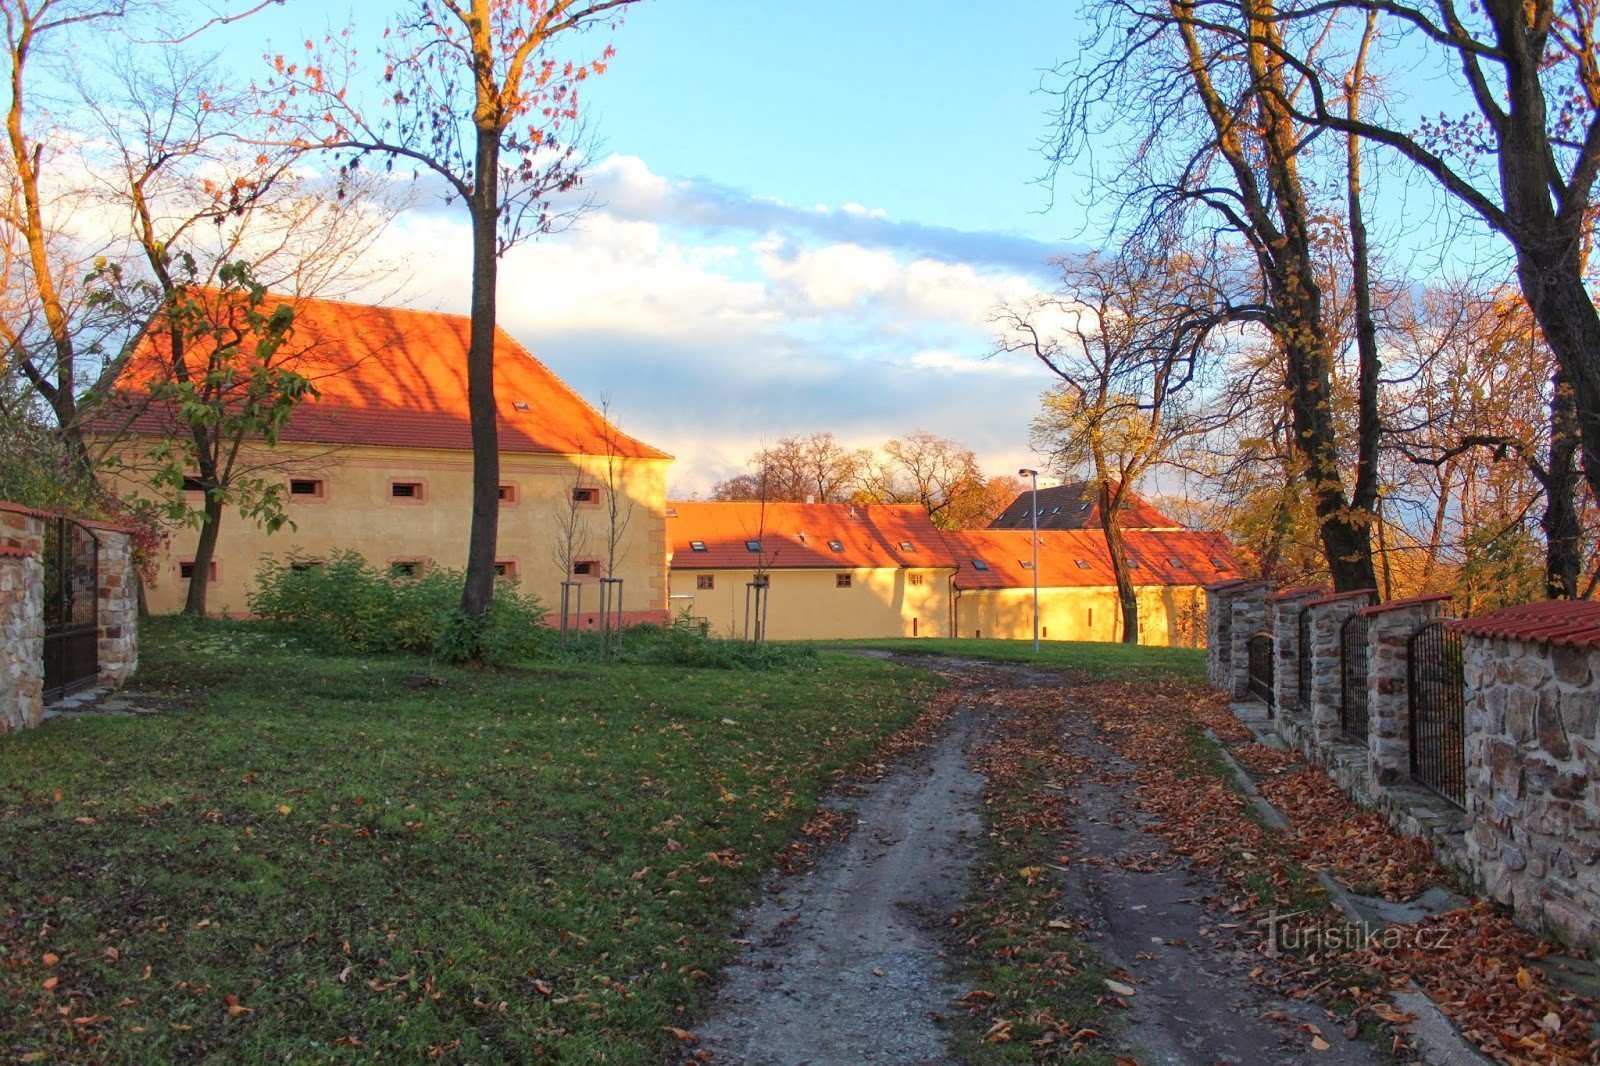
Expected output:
{"points": [[826, 570], [1076, 505], [381, 463]]}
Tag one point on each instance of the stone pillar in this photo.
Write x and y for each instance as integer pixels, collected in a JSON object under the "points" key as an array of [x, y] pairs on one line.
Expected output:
{"points": [[1389, 628], [21, 618], [1533, 763], [119, 606], [1219, 632], [1327, 616], [1284, 622], [1249, 610]]}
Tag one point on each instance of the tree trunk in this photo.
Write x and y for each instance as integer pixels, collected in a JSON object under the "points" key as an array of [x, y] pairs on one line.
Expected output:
{"points": [[478, 589], [1110, 525], [1566, 315], [1562, 531], [204, 551]]}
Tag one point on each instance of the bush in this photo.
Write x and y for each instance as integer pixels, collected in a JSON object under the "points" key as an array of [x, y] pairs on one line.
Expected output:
{"points": [[652, 645], [346, 604]]}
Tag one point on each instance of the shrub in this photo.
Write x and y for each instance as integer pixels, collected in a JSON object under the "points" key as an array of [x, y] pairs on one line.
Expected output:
{"points": [[652, 645], [347, 604]]}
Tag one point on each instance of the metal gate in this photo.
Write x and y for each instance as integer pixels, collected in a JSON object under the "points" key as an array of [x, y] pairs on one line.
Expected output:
{"points": [[71, 608], [1261, 669], [1304, 660], [1353, 678], [1436, 690]]}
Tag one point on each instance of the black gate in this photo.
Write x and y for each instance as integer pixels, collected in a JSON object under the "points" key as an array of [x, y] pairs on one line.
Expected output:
{"points": [[71, 608], [1261, 668], [1304, 660], [1436, 690], [1353, 678]]}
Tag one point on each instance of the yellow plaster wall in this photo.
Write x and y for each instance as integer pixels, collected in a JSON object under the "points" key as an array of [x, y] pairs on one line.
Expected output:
{"points": [[357, 513], [808, 605], [1167, 614]]}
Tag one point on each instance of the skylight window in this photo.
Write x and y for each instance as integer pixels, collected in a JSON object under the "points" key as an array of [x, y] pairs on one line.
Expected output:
{"points": [[979, 564], [1082, 508], [697, 545], [1081, 564], [836, 545], [522, 405], [907, 546], [1173, 561], [1027, 564], [752, 545]]}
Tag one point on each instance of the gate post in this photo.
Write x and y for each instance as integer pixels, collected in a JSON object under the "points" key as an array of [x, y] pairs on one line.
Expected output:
{"points": [[1219, 631], [1292, 721], [21, 618], [1249, 610], [1328, 615], [1389, 629], [119, 606]]}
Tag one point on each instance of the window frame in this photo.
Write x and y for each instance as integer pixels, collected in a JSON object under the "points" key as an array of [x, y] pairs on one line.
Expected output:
{"points": [[420, 563], [844, 580], [586, 560], [317, 495], [705, 582], [213, 572], [416, 499]]}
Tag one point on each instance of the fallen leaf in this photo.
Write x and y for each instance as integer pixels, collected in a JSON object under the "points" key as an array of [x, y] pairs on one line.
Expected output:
{"points": [[1320, 1044], [681, 1034]]}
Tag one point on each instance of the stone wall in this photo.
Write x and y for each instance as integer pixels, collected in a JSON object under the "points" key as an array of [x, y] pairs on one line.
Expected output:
{"points": [[1533, 763], [1328, 616], [1389, 630], [1284, 611], [21, 618], [1249, 617], [1219, 633], [119, 606]]}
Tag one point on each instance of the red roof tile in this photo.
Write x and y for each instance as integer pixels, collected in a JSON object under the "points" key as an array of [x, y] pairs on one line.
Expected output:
{"points": [[1075, 558], [398, 377], [1337, 596], [1570, 623], [1397, 605], [1299, 592], [1076, 505], [796, 536], [12, 551]]}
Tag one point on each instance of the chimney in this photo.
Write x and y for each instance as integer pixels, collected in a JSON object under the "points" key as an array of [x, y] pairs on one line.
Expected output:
{"points": [[811, 498]]}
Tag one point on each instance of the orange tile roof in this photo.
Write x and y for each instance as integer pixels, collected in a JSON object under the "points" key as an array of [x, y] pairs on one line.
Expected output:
{"points": [[799, 536], [1571, 623], [1076, 505], [398, 377], [1076, 558]]}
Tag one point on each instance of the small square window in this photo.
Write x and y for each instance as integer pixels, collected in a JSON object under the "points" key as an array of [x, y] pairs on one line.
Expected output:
{"points": [[915, 579], [1081, 564], [301, 566], [907, 546], [1027, 564], [307, 488], [979, 564], [405, 567], [705, 581], [406, 491], [192, 483], [586, 496], [841, 581], [186, 570], [586, 568], [752, 545], [521, 405], [836, 545], [1133, 564], [508, 494], [697, 545], [1174, 562], [506, 569]]}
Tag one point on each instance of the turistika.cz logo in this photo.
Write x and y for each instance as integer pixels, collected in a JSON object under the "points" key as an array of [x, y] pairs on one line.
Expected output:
{"points": [[1285, 935]]}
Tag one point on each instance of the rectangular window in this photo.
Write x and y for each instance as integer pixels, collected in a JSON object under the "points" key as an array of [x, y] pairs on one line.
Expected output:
{"points": [[979, 564], [1081, 564], [1091, 618], [586, 496], [915, 579], [586, 568], [697, 545], [705, 581], [506, 569], [186, 570], [1027, 564], [841, 581], [406, 567], [836, 545], [752, 545], [191, 483], [306, 488], [407, 491], [907, 546], [300, 566], [508, 494]]}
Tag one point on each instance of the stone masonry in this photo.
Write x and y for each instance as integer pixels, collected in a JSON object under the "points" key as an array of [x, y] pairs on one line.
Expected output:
{"points": [[1219, 632], [1249, 611], [1533, 763], [1328, 615], [1389, 628], [1284, 610], [21, 618], [118, 606]]}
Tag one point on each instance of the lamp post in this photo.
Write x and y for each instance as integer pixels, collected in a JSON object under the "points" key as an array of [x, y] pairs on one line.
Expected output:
{"points": [[1034, 507]]}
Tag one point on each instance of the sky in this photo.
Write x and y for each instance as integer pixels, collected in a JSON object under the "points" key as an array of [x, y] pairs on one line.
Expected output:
{"points": [[805, 216]]}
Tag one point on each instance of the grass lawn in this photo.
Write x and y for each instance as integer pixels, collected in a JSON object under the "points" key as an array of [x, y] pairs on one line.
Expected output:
{"points": [[1089, 658], [305, 858]]}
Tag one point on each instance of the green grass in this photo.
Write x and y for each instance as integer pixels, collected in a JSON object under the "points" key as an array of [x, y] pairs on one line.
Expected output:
{"points": [[306, 859], [1092, 659]]}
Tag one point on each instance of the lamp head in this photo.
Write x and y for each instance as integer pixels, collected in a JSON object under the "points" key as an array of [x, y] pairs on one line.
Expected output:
{"points": [[1027, 473]]}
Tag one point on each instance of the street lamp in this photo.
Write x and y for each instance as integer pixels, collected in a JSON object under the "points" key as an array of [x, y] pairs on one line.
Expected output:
{"points": [[1034, 474]]}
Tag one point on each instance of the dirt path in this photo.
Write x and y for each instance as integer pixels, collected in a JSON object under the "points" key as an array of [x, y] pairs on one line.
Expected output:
{"points": [[845, 963]]}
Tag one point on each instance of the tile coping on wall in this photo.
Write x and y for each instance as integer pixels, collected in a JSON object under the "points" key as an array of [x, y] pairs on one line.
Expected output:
{"points": [[92, 523], [11, 551], [1297, 593], [1239, 584], [1337, 596], [1400, 605], [1570, 623]]}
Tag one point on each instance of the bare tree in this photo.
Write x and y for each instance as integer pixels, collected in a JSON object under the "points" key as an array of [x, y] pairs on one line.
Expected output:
{"points": [[571, 541]]}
